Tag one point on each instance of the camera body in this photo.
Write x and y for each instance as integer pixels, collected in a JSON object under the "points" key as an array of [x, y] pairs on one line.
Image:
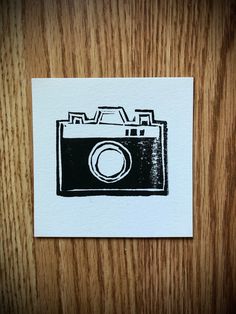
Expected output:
{"points": [[112, 155]]}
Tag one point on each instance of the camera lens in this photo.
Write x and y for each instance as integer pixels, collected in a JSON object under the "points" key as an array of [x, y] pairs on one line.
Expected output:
{"points": [[109, 161]]}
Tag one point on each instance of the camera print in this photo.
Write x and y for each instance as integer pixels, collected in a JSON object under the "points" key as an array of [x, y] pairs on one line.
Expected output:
{"points": [[111, 154]]}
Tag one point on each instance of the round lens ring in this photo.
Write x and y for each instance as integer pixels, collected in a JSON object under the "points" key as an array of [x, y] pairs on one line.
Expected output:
{"points": [[109, 161]]}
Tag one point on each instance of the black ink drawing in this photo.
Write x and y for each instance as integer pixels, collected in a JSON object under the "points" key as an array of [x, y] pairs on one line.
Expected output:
{"points": [[112, 155]]}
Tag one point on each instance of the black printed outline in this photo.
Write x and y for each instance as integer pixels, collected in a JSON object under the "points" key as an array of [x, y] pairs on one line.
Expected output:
{"points": [[120, 192]]}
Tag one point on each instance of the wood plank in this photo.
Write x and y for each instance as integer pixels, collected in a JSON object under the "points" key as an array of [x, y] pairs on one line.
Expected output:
{"points": [[120, 38]]}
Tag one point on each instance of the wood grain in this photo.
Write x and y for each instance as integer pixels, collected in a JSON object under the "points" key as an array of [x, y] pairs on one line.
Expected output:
{"points": [[123, 38]]}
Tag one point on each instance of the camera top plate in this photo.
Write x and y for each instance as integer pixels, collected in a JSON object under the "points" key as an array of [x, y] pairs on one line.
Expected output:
{"points": [[111, 121]]}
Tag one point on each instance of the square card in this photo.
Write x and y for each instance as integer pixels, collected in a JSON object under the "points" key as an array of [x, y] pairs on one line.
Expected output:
{"points": [[113, 157]]}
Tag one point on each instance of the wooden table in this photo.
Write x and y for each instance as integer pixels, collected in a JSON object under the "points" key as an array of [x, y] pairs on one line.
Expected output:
{"points": [[120, 39]]}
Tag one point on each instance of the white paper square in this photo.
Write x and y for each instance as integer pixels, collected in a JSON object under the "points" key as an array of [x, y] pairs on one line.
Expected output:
{"points": [[104, 215]]}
